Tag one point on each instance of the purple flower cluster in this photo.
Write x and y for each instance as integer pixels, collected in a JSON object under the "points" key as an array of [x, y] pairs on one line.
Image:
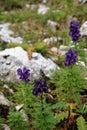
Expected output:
{"points": [[74, 31], [40, 87], [71, 57], [23, 74]]}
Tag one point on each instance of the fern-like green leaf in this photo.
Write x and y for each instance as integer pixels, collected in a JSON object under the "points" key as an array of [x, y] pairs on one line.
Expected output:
{"points": [[81, 123], [61, 116], [62, 105]]}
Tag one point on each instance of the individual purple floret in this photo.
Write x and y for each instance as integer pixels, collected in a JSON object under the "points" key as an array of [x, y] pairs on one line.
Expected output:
{"points": [[71, 57], [74, 31], [40, 87], [23, 74]]}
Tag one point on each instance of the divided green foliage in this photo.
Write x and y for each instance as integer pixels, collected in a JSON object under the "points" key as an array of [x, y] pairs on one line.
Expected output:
{"points": [[77, 99], [41, 47], [43, 116], [69, 81], [23, 95], [30, 36], [61, 116], [62, 105], [24, 45], [81, 123], [34, 1], [19, 16], [1, 122], [80, 49], [16, 121], [11, 4]]}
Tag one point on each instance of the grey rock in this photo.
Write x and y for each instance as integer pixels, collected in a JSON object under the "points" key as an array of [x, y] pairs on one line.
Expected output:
{"points": [[51, 23], [44, 1], [24, 116], [18, 107], [8, 67], [81, 63], [3, 100], [53, 58], [46, 65], [14, 58], [42, 9], [83, 29], [54, 25], [54, 49], [31, 6], [6, 34], [6, 127], [63, 49], [7, 87], [83, 1], [51, 40]]}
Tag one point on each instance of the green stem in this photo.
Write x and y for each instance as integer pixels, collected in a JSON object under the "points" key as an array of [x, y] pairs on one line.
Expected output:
{"points": [[23, 94], [42, 110], [42, 105], [75, 46]]}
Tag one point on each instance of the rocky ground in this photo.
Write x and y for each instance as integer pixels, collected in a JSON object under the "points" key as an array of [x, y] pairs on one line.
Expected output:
{"points": [[35, 34]]}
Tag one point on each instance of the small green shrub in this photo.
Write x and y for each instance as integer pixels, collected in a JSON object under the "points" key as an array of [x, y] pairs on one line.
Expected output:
{"points": [[16, 121]]}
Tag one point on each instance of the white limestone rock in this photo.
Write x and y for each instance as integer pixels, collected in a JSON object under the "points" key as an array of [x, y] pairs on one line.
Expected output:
{"points": [[81, 63], [83, 1], [44, 1], [14, 58], [54, 49], [31, 6], [42, 9], [24, 116], [5, 127], [46, 65], [83, 29], [6, 34], [4, 100], [8, 67], [7, 87], [52, 23], [18, 107], [51, 40], [63, 49]]}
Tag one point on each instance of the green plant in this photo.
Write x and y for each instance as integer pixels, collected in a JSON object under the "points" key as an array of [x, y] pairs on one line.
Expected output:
{"points": [[43, 115], [41, 47], [81, 123], [43, 118], [30, 36], [23, 95], [61, 116], [16, 121], [70, 81], [1, 122], [24, 45], [10, 4], [34, 1]]}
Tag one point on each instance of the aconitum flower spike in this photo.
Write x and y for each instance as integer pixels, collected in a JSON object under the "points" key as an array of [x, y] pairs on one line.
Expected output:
{"points": [[74, 31], [71, 57], [40, 87], [24, 74]]}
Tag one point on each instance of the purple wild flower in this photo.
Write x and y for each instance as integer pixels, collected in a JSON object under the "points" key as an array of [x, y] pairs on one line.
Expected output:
{"points": [[24, 74], [40, 87], [71, 57], [74, 31]]}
